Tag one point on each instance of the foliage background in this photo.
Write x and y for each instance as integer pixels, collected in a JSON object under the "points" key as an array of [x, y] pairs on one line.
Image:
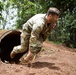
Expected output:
{"points": [[65, 32]]}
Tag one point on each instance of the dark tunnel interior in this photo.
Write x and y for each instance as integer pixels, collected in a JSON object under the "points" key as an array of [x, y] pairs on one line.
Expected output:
{"points": [[7, 44]]}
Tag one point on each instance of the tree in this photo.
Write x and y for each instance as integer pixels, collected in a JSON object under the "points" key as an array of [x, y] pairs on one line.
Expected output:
{"points": [[1, 8], [6, 14], [26, 9]]}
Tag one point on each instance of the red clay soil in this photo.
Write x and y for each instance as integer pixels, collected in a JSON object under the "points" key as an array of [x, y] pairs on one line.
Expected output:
{"points": [[54, 60]]}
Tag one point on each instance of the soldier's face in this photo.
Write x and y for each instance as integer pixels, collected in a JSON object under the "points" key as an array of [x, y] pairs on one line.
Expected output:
{"points": [[53, 18]]}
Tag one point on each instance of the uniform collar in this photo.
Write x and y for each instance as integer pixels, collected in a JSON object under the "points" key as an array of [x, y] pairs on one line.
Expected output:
{"points": [[45, 19]]}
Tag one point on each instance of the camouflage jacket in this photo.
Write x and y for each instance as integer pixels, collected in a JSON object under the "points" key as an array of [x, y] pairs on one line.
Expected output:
{"points": [[38, 30]]}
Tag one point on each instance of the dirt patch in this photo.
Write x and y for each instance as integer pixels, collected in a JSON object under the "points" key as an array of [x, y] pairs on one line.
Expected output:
{"points": [[54, 60]]}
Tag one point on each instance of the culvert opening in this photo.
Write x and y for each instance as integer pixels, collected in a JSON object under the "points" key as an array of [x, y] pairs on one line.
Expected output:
{"points": [[9, 39]]}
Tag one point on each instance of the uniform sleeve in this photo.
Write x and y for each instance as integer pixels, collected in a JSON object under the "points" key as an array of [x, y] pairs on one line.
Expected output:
{"points": [[49, 32], [34, 43]]}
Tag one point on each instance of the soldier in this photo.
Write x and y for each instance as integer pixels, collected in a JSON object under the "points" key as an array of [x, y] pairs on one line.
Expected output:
{"points": [[34, 32]]}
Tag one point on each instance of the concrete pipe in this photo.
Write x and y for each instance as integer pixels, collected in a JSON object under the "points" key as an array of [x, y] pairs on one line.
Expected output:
{"points": [[9, 39]]}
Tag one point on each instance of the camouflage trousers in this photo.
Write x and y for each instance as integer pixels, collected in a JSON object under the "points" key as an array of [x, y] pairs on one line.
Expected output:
{"points": [[24, 46], [24, 43]]}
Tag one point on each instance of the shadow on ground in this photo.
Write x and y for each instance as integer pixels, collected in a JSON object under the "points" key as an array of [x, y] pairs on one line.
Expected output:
{"points": [[45, 64]]}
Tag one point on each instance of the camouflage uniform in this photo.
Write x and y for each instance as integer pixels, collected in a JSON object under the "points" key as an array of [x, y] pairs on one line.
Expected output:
{"points": [[34, 32]]}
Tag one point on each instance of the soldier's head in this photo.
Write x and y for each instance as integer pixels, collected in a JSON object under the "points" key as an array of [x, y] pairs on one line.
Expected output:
{"points": [[52, 15]]}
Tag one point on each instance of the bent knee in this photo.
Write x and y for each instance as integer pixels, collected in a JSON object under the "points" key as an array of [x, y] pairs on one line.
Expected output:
{"points": [[19, 49]]}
